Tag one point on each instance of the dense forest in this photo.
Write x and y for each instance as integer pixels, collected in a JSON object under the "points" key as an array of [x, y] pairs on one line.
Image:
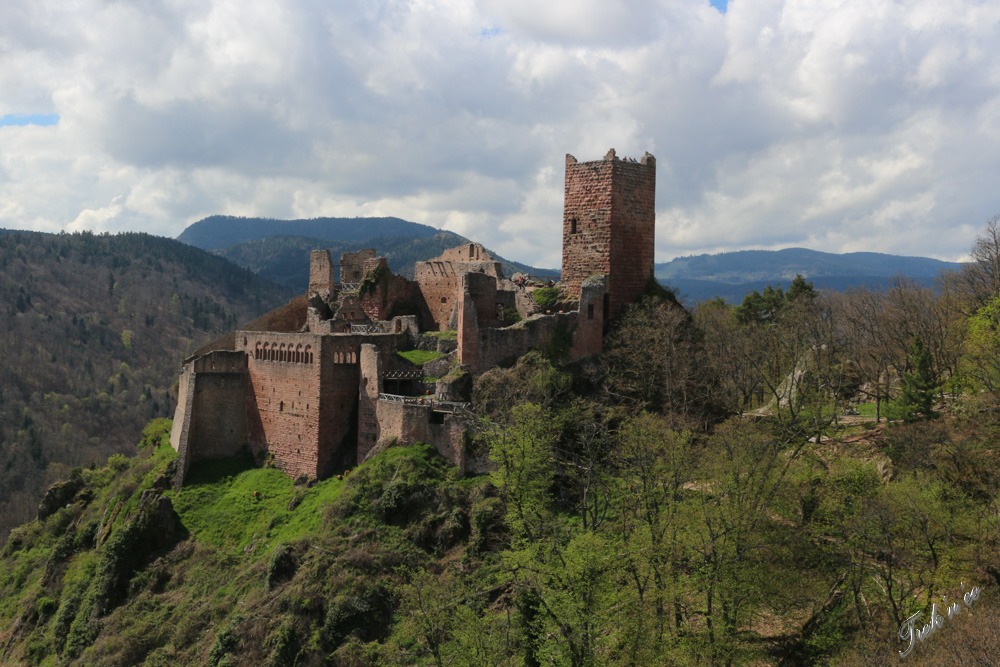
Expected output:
{"points": [[785, 481], [93, 331]]}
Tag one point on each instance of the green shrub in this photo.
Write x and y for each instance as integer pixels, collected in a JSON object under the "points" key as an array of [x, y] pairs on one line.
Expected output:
{"points": [[45, 606], [546, 297], [281, 566]]}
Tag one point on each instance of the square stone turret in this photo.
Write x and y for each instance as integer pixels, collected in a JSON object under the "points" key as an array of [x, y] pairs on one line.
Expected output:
{"points": [[609, 226]]}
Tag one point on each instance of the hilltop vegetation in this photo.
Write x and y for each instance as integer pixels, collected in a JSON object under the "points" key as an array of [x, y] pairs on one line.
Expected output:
{"points": [[93, 330], [721, 487]]}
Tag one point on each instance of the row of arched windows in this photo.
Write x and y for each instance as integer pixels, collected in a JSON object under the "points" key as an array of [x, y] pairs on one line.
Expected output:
{"points": [[345, 357], [298, 354]]}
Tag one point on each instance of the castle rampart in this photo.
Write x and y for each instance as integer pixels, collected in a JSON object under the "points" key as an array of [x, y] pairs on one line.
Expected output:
{"points": [[317, 384]]}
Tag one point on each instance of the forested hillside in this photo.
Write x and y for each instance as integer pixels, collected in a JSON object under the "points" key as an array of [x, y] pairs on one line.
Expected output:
{"points": [[285, 259], [92, 333], [786, 481], [222, 231]]}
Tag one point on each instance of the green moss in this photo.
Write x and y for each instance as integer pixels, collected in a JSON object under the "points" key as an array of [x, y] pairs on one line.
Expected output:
{"points": [[420, 357]]}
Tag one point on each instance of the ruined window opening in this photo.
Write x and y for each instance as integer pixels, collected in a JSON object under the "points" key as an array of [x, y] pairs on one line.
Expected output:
{"points": [[572, 226], [444, 299], [437, 417], [281, 406], [472, 250], [590, 311]]}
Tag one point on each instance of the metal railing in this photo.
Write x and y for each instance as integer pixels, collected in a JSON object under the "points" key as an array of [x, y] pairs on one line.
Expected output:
{"points": [[349, 287], [437, 406], [366, 328], [409, 400], [403, 375]]}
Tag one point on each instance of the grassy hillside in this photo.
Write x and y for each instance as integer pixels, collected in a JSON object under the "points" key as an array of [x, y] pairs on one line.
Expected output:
{"points": [[92, 333], [246, 568], [285, 259]]}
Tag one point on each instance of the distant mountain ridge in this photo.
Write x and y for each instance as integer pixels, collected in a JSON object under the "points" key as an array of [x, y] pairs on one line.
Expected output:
{"points": [[275, 250], [732, 275], [744, 266], [221, 231]]}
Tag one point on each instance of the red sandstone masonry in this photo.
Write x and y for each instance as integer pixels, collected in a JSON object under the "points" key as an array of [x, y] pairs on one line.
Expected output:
{"points": [[609, 225]]}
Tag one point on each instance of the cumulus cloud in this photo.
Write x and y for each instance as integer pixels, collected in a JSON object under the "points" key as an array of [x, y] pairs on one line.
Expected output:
{"points": [[857, 126]]}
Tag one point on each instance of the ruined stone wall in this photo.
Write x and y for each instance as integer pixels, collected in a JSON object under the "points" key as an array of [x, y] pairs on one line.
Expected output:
{"points": [[609, 225], [440, 280], [352, 265], [481, 348], [588, 336], [393, 295], [490, 302], [210, 420], [410, 423], [321, 278], [369, 431]]}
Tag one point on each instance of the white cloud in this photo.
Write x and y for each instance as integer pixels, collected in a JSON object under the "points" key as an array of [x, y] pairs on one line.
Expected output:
{"points": [[861, 125]]}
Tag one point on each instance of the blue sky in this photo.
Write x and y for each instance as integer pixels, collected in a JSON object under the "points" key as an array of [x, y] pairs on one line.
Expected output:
{"points": [[43, 119], [858, 125]]}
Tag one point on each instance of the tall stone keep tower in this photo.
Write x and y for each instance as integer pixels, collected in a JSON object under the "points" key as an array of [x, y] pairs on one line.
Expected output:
{"points": [[609, 225]]}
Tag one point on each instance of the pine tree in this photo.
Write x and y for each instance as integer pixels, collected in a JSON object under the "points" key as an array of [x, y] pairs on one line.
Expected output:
{"points": [[920, 385]]}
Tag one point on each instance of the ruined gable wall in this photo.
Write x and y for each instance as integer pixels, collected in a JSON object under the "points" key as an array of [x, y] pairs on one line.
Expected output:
{"points": [[352, 265], [439, 282], [321, 279]]}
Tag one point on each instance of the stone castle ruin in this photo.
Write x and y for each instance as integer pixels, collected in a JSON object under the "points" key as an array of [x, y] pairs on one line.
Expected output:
{"points": [[318, 384]]}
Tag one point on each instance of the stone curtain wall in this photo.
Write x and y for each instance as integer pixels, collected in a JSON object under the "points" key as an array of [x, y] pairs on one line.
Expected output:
{"points": [[609, 225], [285, 398]]}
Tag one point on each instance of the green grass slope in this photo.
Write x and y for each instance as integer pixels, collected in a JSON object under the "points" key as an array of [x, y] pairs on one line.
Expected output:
{"points": [[252, 569]]}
